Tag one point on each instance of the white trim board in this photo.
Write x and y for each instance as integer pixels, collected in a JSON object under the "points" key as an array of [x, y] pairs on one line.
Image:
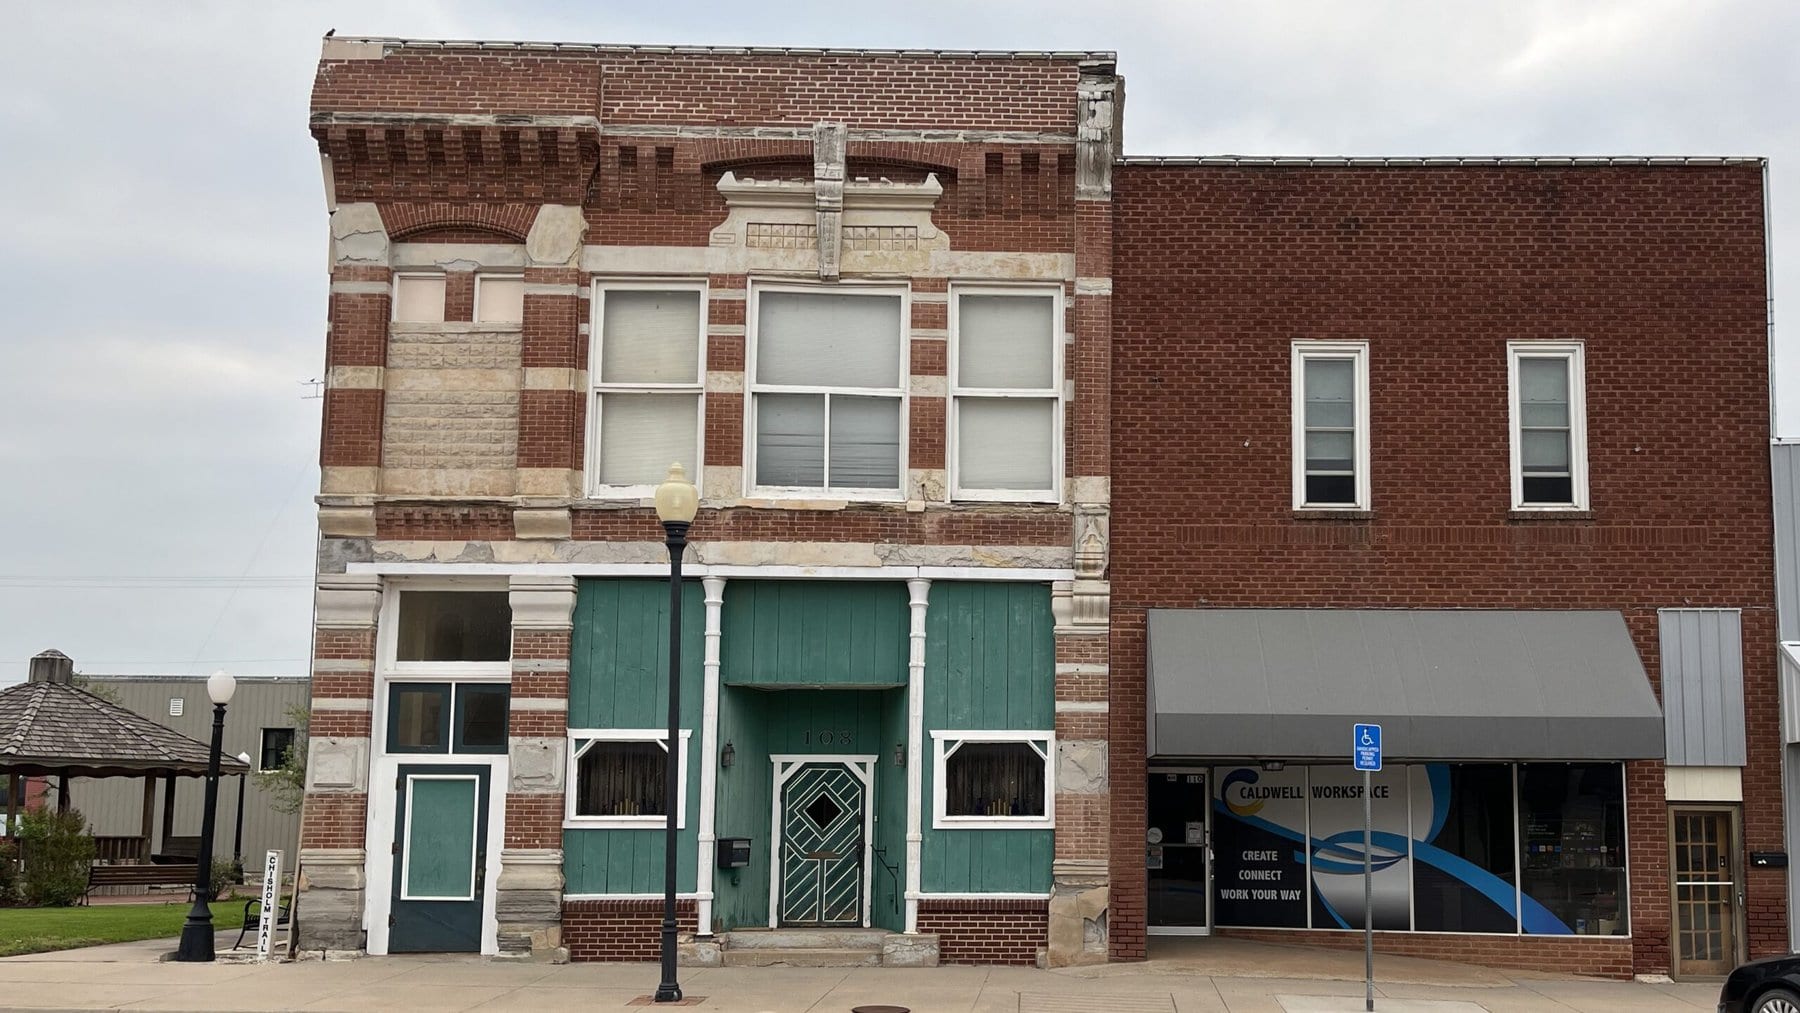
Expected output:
{"points": [[690, 569]]}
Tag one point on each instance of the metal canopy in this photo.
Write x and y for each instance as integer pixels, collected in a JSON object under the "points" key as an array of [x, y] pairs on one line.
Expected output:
{"points": [[1445, 684], [56, 728]]}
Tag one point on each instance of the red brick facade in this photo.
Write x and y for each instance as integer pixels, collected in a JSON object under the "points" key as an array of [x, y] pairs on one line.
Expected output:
{"points": [[618, 931], [985, 931], [1657, 271]]}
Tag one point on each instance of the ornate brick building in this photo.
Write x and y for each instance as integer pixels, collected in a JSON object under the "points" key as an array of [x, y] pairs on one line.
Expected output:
{"points": [[1019, 626]]}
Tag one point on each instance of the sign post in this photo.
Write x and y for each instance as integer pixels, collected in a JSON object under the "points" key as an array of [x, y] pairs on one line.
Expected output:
{"points": [[271, 904], [1365, 750]]}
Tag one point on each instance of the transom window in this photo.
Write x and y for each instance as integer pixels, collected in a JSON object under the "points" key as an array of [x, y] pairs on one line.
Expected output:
{"points": [[648, 369], [442, 717], [1549, 428], [1331, 425], [827, 402], [619, 778], [1006, 384], [993, 779]]}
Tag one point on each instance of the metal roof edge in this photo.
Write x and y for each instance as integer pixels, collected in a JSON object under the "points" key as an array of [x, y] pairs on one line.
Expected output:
{"points": [[1436, 161], [597, 48]]}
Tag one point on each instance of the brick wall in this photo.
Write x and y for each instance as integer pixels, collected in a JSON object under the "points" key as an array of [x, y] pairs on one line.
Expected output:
{"points": [[1659, 271], [986, 931], [617, 931], [1588, 955]]}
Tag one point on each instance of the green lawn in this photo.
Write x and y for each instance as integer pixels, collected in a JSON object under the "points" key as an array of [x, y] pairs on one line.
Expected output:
{"points": [[39, 930]]}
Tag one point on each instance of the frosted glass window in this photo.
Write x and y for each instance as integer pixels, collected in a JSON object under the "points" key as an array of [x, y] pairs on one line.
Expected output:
{"points": [[1005, 384], [827, 390], [499, 298], [1547, 436], [648, 377], [642, 434], [419, 298]]}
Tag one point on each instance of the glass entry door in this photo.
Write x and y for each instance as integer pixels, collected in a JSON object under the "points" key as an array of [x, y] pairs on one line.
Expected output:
{"points": [[1706, 889], [1178, 851]]}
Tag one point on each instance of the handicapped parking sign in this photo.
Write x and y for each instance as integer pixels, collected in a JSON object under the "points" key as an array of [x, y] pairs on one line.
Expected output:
{"points": [[1365, 747]]}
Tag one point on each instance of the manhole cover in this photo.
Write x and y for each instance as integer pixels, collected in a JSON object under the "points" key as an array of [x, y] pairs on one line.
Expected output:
{"points": [[822, 811], [880, 1009]]}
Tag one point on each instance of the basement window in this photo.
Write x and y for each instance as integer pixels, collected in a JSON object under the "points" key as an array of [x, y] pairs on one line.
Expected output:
{"points": [[619, 778], [993, 780]]}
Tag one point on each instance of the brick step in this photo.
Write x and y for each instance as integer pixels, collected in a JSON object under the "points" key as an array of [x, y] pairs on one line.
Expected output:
{"points": [[807, 957], [804, 939]]}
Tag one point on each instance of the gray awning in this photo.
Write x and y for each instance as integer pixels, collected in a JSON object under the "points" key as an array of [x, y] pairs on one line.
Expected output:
{"points": [[1444, 684]]}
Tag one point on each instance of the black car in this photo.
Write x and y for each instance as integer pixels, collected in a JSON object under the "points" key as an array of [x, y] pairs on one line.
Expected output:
{"points": [[1771, 985]]}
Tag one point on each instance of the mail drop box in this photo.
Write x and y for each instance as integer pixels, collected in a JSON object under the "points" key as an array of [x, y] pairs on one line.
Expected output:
{"points": [[734, 852]]}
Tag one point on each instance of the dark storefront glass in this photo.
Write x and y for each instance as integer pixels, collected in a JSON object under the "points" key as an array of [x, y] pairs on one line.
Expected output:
{"points": [[1259, 858], [1175, 848], [1572, 848], [1463, 856]]}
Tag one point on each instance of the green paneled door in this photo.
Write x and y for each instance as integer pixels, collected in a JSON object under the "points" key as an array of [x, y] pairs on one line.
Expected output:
{"points": [[440, 859], [823, 821]]}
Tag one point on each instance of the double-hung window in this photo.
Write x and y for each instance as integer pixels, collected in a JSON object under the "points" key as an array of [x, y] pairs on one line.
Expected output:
{"points": [[828, 391], [1331, 425], [1549, 426], [1006, 384], [648, 369]]}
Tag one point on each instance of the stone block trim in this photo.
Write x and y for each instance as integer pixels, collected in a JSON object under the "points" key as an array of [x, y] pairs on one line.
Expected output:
{"points": [[987, 931], [617, 931], [1604, 956]]}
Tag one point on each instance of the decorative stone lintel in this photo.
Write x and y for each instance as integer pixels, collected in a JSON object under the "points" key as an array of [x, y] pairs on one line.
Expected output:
{"points": [[542, 601], [542, 524], [346, 522], [346, 601], [538, 765]]}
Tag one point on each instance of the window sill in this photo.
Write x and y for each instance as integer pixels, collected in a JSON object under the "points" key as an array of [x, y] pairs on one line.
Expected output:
{"points": [[1333, 514], [1551, 514], [993, 823]]}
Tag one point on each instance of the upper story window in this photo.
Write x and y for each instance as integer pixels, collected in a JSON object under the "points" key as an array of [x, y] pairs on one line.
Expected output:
{"points": [[1549, 426], [499, 298], [1006, 393], [276, 743], [827, 391], [1331, 425], [419, 298], [648, 369]]}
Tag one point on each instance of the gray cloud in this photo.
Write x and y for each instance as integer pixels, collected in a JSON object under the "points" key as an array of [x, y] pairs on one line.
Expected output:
{"points": [[162, 261]]}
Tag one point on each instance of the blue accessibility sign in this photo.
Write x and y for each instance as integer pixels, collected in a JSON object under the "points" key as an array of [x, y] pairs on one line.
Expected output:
{"points": [[1365, 747]]}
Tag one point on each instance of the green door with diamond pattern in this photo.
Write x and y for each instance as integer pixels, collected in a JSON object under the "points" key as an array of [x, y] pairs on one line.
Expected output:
{"points": [[822, 833]]}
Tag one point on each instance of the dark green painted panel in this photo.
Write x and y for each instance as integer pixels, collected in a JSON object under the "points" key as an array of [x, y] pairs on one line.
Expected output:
{"points": [[814, 633], [625, 861], [990, 664]]}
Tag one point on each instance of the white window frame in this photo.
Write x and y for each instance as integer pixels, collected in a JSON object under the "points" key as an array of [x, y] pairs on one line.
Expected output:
{"points": [[660, 736], [475, 315], [1053, 393], [388, 636], [752, 389], [1573, 353], [394, 297], [262, 743], [1358, 354], [942, 740], [596, 389]]}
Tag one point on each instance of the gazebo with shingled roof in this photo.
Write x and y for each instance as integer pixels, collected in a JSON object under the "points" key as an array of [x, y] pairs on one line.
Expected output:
{"points": [[51, 727]]}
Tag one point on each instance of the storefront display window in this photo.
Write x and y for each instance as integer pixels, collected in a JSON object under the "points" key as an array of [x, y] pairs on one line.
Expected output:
{"points": [[1463, 865], [1572, 847]]}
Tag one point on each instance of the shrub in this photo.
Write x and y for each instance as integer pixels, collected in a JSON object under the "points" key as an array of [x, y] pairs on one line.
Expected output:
{"points": [[224, 877], [9, 873], [58, 852]]}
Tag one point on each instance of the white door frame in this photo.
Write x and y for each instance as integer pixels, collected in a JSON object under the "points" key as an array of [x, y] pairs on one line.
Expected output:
{"points": [[786, 766], [1189, 930]]}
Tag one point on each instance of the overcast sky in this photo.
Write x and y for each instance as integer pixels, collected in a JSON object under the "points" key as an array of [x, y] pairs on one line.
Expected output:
{"points": [[163, 250]]}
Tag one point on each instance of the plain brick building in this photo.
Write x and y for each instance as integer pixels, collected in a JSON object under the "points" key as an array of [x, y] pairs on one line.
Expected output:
{"points": [[973, 409]]}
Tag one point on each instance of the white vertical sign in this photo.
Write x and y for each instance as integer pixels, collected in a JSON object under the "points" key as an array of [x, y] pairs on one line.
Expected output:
{"points": [[271, 904]]}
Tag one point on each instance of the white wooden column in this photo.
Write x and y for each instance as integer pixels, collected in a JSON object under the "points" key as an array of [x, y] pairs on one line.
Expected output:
{"points": [[919, 591], [709, 748]]}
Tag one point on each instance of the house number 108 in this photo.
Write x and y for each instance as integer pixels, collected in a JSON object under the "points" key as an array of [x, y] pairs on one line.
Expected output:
{"points": [[826, 737]]}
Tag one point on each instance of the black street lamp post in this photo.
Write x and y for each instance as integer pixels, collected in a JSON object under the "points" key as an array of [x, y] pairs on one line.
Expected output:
{"points": [[197, 933], [237, 840], [676, 503]]}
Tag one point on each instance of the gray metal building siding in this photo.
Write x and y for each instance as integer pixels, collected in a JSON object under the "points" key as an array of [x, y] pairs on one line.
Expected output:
{"points": [[1786, 466], [1702, 653], [114, 806]]}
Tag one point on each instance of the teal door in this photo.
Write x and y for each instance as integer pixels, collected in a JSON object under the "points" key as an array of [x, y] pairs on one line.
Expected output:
{"points": [[822, 833], [440, 859]]}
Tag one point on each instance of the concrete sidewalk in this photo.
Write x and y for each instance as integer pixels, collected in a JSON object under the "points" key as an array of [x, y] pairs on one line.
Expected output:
{"points": [[1191, 976]]}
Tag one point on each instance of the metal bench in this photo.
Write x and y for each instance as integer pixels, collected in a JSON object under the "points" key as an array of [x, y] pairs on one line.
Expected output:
{"points": [[253, 913], [140, 875]]}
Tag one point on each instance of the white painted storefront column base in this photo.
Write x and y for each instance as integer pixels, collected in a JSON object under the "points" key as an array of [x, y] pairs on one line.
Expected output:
{"points": [[919, 593]]}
